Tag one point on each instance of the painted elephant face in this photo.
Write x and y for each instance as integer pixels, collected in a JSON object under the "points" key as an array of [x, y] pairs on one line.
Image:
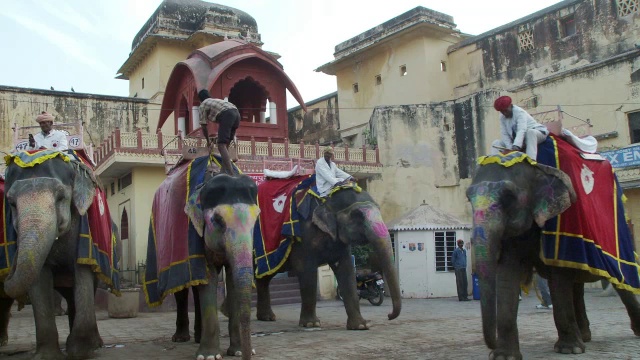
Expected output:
{"points": [[43, 200], [224, 203]]}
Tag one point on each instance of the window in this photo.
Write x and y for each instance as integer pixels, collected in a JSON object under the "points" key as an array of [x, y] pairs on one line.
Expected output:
{"points": [[403, 70], [143, 83], [568, 26], [392, 236], [525, 41], [445, 244], [113, 188], [355, 88], [443, 66], [378, 79], [627, 7], [634, 126], [124, 181]]}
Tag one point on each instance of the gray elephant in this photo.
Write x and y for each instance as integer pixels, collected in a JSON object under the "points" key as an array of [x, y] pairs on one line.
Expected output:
{"points": [[347, 218], [47, 202], [223, 212], [510, 205]]}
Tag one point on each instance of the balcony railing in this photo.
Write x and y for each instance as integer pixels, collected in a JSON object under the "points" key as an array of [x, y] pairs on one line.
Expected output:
{"points": [[248, 150]]}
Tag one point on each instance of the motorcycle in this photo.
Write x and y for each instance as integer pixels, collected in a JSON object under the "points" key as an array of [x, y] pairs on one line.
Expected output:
{"points": [[370, 287]]}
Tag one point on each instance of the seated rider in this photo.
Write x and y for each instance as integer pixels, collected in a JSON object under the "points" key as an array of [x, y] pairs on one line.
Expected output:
{"points": [[48, 138], [518, 129], [228, 118], [327, 173]]}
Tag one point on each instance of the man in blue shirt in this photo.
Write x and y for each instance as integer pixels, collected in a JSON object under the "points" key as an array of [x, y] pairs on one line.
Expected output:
{"points": [[459, 261]]}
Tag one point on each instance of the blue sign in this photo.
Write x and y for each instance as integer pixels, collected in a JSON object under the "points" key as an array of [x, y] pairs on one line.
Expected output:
{"points": [[622, 158]]}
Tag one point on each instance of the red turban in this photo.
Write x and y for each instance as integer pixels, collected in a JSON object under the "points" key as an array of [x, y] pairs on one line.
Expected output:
{"points": [[45, 116], [502, 103]]}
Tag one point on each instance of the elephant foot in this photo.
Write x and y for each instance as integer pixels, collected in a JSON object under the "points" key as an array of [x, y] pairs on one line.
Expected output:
{"points": [[181, 336], [197, 336], [635, 327], [266, 315], [82, 346], [504, 355], [208, 354], [358, 324], [4, 340], [311, 322], [566, 347], [235, 351], [586, 335], [49, 354]]}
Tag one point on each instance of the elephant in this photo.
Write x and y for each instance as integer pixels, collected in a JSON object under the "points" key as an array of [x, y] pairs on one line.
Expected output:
{"points": [[225, 217], [347, 218], [510, 206], [46, 203]]}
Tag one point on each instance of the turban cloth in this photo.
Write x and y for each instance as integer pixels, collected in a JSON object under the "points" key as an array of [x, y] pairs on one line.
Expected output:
{"points": [[45, 116], [502, 103], [328, 149]]}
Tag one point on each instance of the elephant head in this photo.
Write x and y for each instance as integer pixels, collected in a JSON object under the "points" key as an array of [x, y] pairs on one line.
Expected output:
{"points": [[510, 204], [45, 200], [224, 212], [354, 219]]}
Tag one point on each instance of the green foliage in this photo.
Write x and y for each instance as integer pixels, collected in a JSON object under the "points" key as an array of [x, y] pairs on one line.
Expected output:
{"points": [[361, 253], [369, 138]]}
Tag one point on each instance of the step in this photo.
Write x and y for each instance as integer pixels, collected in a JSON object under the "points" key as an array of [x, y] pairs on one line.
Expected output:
{"points": [[282, 301], [280, 294]]}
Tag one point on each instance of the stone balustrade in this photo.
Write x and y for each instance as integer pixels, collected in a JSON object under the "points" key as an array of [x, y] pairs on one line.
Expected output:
{"points": [[248, 150]]}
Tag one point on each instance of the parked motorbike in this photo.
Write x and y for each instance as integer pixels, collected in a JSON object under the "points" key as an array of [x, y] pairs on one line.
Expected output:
{"points": [[370, 287]]}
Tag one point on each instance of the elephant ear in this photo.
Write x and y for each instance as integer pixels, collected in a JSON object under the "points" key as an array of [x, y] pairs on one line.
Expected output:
{"points": [[324, 219], [194, 211], [554, 195], [84, 188]]}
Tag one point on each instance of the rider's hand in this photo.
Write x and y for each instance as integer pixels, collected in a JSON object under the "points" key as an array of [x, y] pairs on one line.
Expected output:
{"points": [[516, 148]]}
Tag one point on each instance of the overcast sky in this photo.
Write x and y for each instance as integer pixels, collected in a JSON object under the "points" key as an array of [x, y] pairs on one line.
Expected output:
{"points": [[82, 43]]}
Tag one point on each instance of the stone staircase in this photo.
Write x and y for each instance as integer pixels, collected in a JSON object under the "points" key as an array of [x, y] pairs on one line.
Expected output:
{"points": [[284, 290]]}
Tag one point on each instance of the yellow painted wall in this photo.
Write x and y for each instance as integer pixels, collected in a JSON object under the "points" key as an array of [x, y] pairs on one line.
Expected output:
{"points": [[424, 82], [146, 181]]}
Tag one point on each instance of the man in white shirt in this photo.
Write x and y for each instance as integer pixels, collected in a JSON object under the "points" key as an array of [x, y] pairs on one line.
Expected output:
{"points": [[518, 129], [328, 174], [48, 138]]}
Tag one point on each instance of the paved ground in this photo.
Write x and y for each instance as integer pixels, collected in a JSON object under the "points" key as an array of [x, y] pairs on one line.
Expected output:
{"points": [[426, 329]]}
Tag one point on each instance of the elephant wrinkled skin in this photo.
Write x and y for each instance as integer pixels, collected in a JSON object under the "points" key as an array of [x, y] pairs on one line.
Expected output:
{"points": [[509, 206], [46, 203]]}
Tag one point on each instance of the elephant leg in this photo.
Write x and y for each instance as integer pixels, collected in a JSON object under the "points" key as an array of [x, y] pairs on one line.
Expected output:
{"points": [[564, 314], [84, 337], [264, 312], [508, 278], [57, 304], [308, 280], [581, 312], [47, 345], [346, 275], [210, 341], [633, 309], [5, 315], [67, 294], [182, 316], [197, 326]]}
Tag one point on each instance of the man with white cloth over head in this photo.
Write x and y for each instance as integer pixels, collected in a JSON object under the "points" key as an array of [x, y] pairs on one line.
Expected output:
{"points": [[328, 174]]}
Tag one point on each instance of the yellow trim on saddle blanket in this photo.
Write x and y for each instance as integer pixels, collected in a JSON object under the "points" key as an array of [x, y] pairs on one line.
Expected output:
{"points": [[507, 160], [334, 190], [24, 159]]}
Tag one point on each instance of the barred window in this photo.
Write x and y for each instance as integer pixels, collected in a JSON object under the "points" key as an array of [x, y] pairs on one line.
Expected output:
{"points": [[525, 41], [627, 7], [445, 244]]}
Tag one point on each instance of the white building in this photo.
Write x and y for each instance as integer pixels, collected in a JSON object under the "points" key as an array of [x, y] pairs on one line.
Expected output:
{"points": [[423, 242]]}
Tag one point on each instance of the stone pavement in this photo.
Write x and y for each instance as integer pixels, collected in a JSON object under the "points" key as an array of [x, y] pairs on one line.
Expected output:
{"points": [[426, 329]]}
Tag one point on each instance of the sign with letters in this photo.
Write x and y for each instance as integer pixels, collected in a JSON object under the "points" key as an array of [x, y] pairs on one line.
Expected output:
{"points": [[622, 158]]}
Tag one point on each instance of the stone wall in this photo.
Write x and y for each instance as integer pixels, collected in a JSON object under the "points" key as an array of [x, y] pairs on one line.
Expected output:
{"points": [[320, 123], [100, 113]]}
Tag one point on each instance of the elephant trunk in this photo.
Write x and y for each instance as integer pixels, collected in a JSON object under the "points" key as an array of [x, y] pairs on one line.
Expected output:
{"points": [[37, 227], [240, 220], [383, 248]]}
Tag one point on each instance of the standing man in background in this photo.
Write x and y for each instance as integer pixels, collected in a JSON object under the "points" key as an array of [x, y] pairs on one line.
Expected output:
{"points": [[459, 261]]}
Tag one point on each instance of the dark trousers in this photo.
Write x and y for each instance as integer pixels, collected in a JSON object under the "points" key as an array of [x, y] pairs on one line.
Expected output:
{"points": [[461, 283]]}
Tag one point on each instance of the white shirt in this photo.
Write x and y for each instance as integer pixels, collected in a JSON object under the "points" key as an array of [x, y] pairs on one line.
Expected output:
{"points": [[327, 176], [55, 140], [512, 130]]}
